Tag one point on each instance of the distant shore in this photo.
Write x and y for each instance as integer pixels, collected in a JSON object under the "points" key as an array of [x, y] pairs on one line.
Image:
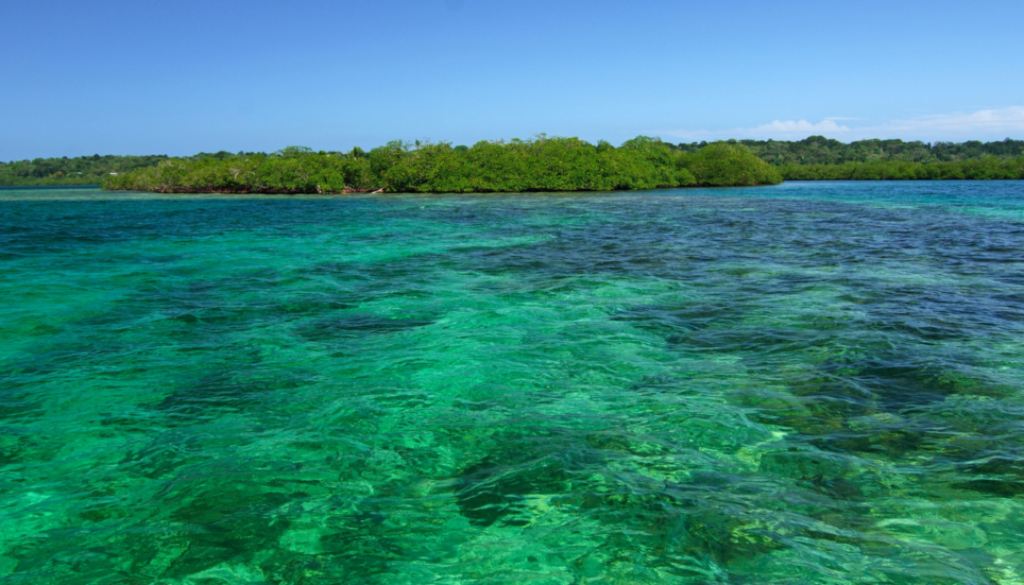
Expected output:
{"points": [[539, 164]]}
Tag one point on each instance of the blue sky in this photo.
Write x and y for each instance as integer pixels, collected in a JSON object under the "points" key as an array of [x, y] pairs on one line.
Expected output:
{"points": [[131, 77]]}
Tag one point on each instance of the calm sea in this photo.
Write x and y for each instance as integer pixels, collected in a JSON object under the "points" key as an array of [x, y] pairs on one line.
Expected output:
{"points": [[812, 383]]}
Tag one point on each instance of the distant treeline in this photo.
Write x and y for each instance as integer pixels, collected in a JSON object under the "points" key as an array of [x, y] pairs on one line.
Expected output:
{"points": [[540, 164], [82, 170], [819, 158], [889, 170], [818, 150]]}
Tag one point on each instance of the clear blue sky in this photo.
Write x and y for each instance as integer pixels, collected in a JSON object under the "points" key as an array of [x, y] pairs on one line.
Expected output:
{"points": [[154, 76]]}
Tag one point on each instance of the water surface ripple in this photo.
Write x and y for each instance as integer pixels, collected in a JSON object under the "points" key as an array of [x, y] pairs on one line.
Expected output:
{"points": [[811, 383]]}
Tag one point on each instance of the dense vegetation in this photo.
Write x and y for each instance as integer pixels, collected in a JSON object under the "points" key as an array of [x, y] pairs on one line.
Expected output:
{"points": [[818, 150], [541, 164], [820, 158], [989, 167], [83, 170]]}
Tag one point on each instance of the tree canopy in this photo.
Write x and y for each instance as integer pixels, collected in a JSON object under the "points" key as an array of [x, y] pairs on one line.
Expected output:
{"points": [[827, 151], [82, 170], [538, 164]]}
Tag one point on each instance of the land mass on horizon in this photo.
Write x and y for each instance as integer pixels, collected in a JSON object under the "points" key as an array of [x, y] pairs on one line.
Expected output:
{"points": [[539, 164]]}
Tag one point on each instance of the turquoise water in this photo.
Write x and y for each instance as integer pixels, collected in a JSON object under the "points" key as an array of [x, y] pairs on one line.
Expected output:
{"points": [[811, 383]]}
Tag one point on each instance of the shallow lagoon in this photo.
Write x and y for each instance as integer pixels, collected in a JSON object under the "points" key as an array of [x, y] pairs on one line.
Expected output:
{"points": [[810, 383]]}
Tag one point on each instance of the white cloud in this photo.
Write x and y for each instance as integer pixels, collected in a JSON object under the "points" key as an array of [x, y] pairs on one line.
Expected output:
{"points": [[827, 125], [1000, 122], [993, 124]]}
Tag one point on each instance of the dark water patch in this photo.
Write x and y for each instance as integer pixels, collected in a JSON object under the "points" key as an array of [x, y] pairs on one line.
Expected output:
{"points": [[995, 487], [15, 405], [312, 306], [350, 270], [676, 322], [496, 489], [724, 338], [488, 493], [163, 454], [215, 390], [808, 465], [18, 448], [231, 523], [348, 325], [1006, 464]]}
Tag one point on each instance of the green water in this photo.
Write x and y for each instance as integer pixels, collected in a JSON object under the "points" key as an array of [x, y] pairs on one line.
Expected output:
{"points": [[811, 383]]}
